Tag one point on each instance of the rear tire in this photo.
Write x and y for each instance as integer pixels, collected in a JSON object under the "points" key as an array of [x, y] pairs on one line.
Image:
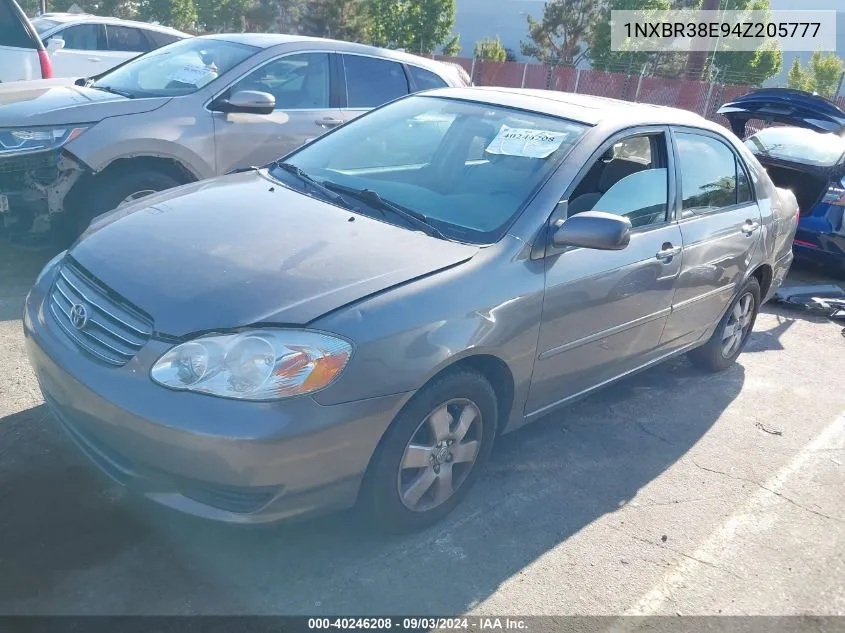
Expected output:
{"points": [[121, 189], [432, 454], [732, 333]]}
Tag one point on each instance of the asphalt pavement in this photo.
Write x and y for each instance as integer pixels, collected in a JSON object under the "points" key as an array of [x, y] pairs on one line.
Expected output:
{"points": [[670, 492]]}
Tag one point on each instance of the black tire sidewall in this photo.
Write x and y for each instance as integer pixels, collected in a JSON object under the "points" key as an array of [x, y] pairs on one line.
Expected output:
{"points": [[710, 356], [380, 491], [118, 188]]}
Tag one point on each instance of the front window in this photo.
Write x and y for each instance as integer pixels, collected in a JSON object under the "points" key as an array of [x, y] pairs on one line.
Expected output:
{"points": [[798, 145], [467, 168], [178, 69]]}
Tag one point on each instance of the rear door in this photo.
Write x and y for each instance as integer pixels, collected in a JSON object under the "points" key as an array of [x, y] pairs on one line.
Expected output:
{"points": [[720, 224], [19, 45], [306, 107], [371, 82], [82, 54]]}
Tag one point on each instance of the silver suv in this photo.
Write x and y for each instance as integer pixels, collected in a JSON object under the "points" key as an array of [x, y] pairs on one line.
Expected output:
{"points": [[188, 111]]}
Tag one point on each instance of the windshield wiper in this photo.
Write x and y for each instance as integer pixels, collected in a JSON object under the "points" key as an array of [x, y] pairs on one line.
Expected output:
{"points": [[114, 91], [373, 198], [313, 182]]}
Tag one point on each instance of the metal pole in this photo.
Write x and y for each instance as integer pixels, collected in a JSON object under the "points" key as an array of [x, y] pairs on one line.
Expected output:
{"points": [[43, 7], [710, 92], [472, 70], [839, 85], [577, 80], [524, 72], [640, 83]]}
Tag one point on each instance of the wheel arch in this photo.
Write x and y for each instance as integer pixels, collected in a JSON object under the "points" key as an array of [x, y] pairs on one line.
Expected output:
{"points": [[491, 367], [80, 194]]}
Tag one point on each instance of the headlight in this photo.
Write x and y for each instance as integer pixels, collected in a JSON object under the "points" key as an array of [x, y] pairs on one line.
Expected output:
{"points": [[255, 365], [35, 139], [49, 266]]}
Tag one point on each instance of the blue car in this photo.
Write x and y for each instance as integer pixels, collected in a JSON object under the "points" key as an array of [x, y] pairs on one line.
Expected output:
{"points": [[803, 149]]}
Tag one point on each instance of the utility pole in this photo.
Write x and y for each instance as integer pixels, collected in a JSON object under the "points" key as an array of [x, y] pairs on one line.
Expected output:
{"points": [[43, 7]]}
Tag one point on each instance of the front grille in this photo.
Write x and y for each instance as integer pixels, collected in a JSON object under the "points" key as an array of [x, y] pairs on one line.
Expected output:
{"points": [[39, 166], [98, 321]]}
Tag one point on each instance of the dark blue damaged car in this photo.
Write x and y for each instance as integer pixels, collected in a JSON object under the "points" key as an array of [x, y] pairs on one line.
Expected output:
{"points": [[804, 152]]}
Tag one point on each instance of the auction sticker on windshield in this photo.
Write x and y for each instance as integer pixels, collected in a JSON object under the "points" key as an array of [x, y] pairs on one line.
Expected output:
{"points": [[525, 142], [194, 74]]}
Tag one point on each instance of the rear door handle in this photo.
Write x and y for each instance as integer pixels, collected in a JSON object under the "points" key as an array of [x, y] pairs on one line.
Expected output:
{"points": [[328, 122], [666, 253], [750, 226]]}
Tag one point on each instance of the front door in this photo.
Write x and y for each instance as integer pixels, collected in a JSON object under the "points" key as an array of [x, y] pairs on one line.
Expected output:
{"points": [[301, 84], [604, 311], [720, 224]]}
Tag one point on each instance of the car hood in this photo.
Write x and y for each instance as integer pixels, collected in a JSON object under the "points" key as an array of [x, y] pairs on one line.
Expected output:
{"points": [[783, 105], [243, 250], [51, 104]]}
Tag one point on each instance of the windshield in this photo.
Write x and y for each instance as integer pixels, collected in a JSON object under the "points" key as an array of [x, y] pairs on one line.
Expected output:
{"points": [[42, 25], [467, 168], [798, 145], [180, 68]]}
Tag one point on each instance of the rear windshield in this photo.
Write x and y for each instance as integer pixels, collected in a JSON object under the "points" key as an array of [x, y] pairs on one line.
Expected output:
{"points": [[14, 27], [42, 25], [798, 145]]}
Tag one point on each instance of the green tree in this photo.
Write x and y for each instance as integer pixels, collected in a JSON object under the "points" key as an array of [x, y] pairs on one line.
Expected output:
{"points": [[822, 74], [223, 15], [797, 78], [490, 48], [180, 14], [452, 47], [561, 35], [418, 26], [338, 19], [601, 55]]}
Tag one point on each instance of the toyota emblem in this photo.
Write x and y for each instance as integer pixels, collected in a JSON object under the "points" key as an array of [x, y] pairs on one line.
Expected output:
{"points": [[79, 316]]}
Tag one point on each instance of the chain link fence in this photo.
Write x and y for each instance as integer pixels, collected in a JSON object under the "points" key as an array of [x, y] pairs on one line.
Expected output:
{"points": [[626, 83]]}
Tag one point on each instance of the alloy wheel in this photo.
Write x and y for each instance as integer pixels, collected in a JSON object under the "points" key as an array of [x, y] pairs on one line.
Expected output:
{"points": [[738, 324], [440, 455]]}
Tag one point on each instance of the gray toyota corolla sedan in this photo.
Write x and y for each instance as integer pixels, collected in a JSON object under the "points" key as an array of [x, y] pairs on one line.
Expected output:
{"points": [[362, 319]]}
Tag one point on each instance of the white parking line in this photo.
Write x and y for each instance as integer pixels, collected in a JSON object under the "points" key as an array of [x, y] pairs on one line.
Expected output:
{"points": [[767, 495]]}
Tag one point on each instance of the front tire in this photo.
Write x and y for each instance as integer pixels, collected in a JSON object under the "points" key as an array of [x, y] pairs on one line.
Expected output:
{"points": [[120, 189], [433, 452], [732, 333]]}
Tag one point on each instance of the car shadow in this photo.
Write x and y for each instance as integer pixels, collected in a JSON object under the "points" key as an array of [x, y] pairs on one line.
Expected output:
{"points": [[543, 484]]}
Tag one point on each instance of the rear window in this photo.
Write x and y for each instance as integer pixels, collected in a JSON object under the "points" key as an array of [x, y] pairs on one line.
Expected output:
{"points": [[798, 145], [15, 30]]}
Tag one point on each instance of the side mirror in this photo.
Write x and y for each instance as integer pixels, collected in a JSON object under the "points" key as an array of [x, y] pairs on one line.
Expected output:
{"points": [[594, 229], [55, 44], [248, 101]]}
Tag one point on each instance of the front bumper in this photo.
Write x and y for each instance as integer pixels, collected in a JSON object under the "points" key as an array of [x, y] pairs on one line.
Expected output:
{"points": [[35, 186], [242, 462]]}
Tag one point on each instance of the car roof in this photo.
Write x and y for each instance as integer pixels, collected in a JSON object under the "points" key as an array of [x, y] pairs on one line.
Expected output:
{"points": [[80, 18], [268, 40], [588, 109]]}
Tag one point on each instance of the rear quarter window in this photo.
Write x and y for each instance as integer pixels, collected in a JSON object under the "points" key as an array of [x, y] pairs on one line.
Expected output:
{"points": [[15, 30], [425, 79], [157, 39]]}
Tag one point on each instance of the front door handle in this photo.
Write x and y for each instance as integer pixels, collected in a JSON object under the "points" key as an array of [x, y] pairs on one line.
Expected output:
{"points": [[667, 252], [750, 226], [328, 122]]}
